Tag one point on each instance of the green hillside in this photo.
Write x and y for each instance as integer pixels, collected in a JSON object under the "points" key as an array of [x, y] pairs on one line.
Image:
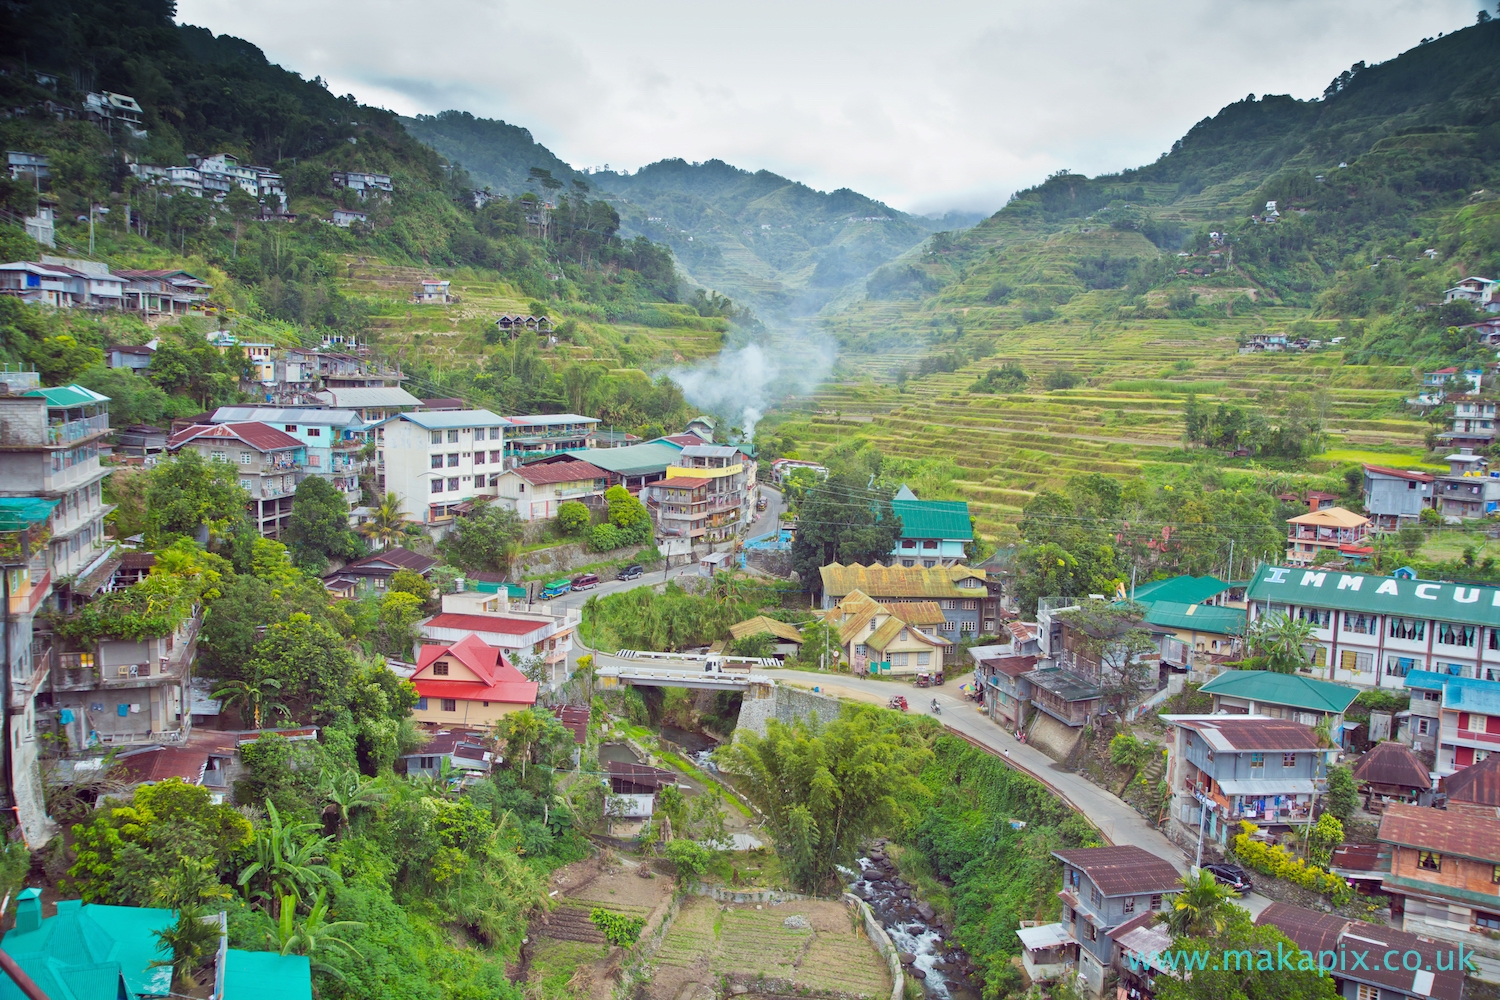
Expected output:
{"points": [[499, 156], [1122, 296]]}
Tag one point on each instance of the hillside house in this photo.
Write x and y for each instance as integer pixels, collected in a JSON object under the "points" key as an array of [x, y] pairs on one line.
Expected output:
{"points": [[374, 572], [433, 290], [1478, 291], [1118, 655], [727, 492], [1434, 978], [899, 638], [346, 217], [437, 460], [468, 683], [536, 491], [540, 435], [365, 185], [1442, 879], [1473, 424], [1227, 768], [961, 593], [933, 532], [1282, 696], [1389, 772], [1327, 529], [634, 466], [526, 633], [1478, 784], [463, 753], [1103, 889], [269, 464], [1195, 634], [1396, 497], [1469, 490], [1466, 726], [786, 640], [136, 357], [512, 325]]}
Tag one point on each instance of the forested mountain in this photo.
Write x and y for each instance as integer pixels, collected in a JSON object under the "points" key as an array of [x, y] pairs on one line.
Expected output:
{"points": [[499, 156]]}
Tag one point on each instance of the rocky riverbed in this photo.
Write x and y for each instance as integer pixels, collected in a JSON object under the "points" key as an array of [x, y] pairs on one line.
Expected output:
{"points": [[918, 932]]}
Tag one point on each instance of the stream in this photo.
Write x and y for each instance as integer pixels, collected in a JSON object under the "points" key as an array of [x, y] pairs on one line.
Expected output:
{"points": [[917, 932]]}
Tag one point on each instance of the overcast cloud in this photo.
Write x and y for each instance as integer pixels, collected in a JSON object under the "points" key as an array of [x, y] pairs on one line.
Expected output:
{"points": [[927, 106]]}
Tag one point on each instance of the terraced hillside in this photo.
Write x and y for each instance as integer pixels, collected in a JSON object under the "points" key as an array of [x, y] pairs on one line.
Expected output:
{"points": [[1124, 419], [454, 334]]}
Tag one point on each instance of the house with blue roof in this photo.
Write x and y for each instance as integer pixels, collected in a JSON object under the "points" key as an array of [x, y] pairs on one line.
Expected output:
{"points": [[933, 532], [1460, 715], [89, 951]]}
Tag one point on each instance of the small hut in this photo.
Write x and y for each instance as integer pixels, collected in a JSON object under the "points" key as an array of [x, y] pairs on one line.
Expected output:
{"points": [[1390, 772], [1478, 784]]}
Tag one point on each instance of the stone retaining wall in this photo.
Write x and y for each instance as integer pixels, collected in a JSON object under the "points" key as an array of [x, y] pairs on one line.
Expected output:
{"points": [[883, 944], [762, 703]]}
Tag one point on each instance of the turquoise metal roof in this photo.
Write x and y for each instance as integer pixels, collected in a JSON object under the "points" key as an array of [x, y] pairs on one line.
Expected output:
{"points": [[68, 396], [633, 460], [1461, 694], [266, 975], [934, 519], [1293, 690], [1381, 595], [85, 951], [1196, 617], [1181, 589]]}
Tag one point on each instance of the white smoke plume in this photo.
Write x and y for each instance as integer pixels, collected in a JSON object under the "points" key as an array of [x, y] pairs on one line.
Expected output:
{"points": [[740, 384]]}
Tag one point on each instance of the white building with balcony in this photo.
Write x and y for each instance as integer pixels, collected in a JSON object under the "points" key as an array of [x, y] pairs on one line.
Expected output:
{"points": [[1466, 728], [529, 633], [535, 491], [538, 435], [334, 439], [1473, 424], [268, 463], [434, 460]]}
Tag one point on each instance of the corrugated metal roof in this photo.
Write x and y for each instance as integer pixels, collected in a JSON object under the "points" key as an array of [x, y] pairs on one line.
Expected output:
{"points": [[266, 975], [1478, 784], [1382, 595], [1182, 589], [760, 624], [1470, 833], [545, 473], [380, 395], [310, 415], [1196, 617], [934, 519], [1248, 732], [1315, 932], [632, 460], [1329, 517], [893, 581], [1123, 870], [1392, 763], [1291, 690], [68, 396], [447, 419]]}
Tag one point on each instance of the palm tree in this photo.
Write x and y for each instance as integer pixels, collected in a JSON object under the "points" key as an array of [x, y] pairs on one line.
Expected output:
{"points": [[191, 940], [387, 524], [347, 793], [253, 696], [313, 934], [288, 860], [1282, 640], [1201, 909]]}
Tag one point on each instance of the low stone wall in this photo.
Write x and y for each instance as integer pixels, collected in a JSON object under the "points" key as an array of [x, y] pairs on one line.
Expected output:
{"points": [[762, 703], [725, 895], [883, 944]]}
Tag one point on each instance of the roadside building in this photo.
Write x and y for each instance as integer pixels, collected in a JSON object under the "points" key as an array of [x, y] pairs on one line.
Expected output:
{"points": [[1185, 589], [1196, 634], [899, 638], [959, 591], [1389, 772], [1373, 631], [529, 634], [634, 466], [535, 491], [680, 506], [468, 683], [1396, 497], [435, 460], [1327, 529], [1435, 975], [333, 439], [267, 462], [1442, 879], [1103, 889], [1000, 674], [728, 490], [1282, 696], [1228, 768], [785, 639], [1067, 697], [933, 532], [539, 435], [1467, 725]]}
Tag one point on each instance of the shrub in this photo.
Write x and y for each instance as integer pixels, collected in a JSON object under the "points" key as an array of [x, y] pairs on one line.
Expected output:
{"points": [[617, 928], [572, 518], [1277, 861]]}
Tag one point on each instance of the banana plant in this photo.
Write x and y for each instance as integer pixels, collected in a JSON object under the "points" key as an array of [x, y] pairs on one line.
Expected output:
{"points": [[314, 935], [288, 860]]}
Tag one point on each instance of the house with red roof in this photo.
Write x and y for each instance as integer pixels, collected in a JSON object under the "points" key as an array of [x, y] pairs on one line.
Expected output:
{"points": [[268, 463], [525, 636], [468, 683], [536, 491]]}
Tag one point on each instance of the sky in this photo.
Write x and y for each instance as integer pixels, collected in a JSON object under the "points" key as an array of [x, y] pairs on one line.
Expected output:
{"points": [[944, 104]]}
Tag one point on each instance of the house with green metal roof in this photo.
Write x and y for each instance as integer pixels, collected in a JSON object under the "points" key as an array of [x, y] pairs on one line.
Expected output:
{"points": [[1282, 696], [1201, 628], [1180, 590], [89, 951], [933, 532], [633, 466]]}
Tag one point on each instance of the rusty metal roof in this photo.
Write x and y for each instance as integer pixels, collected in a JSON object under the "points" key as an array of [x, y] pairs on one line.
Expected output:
{"points": [[1478, 784], [1124, 870], [1250, 732], [1318, 932], [1468, 833], [1392, 763]]}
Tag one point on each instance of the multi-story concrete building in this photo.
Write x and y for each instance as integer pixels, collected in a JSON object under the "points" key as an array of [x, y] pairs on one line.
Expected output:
{"points": [[435, 460], [1227, 768], [1326, 529], [529, 633], [541, 434], [535, 491], [373, 403], [1468, 491], [1395, 497], [333, 439], [1473, 424], [1456, 717], [1373, 631], [49, 449], [728, 491], [269, 464], [1105, 888], [959, 591], [933, 532]]}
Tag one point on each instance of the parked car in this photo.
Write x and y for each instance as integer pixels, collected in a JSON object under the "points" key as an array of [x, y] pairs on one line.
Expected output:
{"points": [[556, 588], [585, 581], [632, 572], [1232, 876]]}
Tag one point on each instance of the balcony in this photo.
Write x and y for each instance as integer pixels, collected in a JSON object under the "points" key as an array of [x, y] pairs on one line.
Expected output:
{"points": [[76, 430], [1452, 734]]}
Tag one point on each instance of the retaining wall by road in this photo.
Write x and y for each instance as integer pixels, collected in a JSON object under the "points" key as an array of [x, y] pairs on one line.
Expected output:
{"points": [[762, 703]]}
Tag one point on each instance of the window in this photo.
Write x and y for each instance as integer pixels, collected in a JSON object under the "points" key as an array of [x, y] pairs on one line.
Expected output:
{"points": [[290, 428], [949, 605], [908, 543], [908, 563], [244, 484], [971, 605], [437, 461], [315, 461], [1257, 760], [440, 669], [437, 437], [898, 659], [494, 457], [968, 626], [929, 544], [1495, 874], [1449, 634], [905, 635], [1288, 760], [450, 704], [437, 485], [1475, 723], [453, 436], [453, 460], [494, 434], [929, 563], [947, 626], [1156, 901], [1089, 931], [1129, 904], [313, 432], [861, 650], [1424, 727], [245, 457], [1489, 921], [1320, 617], [218, 456], [1095, 896], [479, 458], [1367, 992], [873, 626], [1399, 666], [452, 483], [1362, 623], [1430, 861], [924, 659], [421, 704]]}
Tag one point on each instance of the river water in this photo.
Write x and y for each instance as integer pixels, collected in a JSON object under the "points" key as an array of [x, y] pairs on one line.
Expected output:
{"points": [[916, 931]]}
